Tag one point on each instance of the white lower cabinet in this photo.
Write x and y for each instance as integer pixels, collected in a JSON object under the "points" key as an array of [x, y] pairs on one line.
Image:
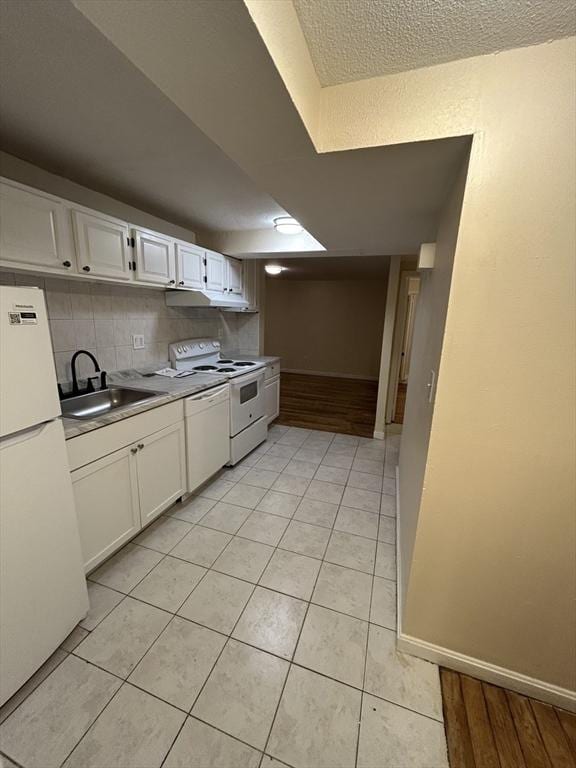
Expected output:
{"points": [[106, 498], [122, 492], [272, 398], [161, 471]]}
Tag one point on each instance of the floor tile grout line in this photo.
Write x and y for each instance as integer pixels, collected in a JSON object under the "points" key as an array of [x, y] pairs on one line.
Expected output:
{"points": [[366, 648], [19, 765], [226, 643], [17, 707], [294, 653], [228, 637], [173, 614]]}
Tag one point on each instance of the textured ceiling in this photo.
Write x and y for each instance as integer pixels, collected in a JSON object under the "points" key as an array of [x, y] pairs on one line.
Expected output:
{"points": [[357, 39]]}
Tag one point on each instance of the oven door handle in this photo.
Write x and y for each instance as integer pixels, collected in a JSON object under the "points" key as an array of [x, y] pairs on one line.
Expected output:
{"points": [[241, 381]]}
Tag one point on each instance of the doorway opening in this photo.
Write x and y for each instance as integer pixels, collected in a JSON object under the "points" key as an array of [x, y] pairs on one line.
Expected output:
{"points": [[409, 290]]}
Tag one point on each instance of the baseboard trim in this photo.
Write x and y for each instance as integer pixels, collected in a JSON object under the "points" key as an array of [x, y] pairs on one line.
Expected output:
{"points": [[483, 670], [379, 435], [490, 673], [399, 596], [333, 374]]}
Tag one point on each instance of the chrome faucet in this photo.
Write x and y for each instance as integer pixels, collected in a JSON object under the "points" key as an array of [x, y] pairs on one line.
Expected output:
{"points": [[89, 385]]}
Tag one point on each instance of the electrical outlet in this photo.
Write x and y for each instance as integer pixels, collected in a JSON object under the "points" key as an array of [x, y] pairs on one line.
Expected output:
{"points": [[137, 341]]}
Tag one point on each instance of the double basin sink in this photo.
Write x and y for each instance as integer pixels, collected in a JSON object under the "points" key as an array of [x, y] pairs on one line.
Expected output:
{"points": [[96, 404]]}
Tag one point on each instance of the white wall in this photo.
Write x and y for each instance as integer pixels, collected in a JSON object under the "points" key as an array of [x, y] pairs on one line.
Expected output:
{"points": [[426, 352], [493, 575], [328, 326]]}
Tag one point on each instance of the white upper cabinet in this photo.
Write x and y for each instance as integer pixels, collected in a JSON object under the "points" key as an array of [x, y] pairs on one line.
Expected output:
{"points": [[189, 266], [35, 230], [250, 275], [234, 275], [155, 258], [102, 245], [216, 272]]}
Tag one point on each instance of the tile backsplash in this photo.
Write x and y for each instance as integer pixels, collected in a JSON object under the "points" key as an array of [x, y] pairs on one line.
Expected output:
{"points": [[102, 317]]}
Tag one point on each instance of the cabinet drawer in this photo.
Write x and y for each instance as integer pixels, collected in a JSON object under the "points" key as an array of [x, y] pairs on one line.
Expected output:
{"points": [[93, 445]]}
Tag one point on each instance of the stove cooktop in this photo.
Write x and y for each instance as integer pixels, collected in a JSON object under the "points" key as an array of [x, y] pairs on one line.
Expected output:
{"points": [[203, 356]]}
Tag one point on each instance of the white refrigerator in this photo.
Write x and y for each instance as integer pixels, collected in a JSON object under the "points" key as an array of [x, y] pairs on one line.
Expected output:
{"points": [[42, 587]]}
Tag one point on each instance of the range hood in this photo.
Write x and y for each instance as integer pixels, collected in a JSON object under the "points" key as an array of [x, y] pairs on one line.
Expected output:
{"points": [[206, 299]]}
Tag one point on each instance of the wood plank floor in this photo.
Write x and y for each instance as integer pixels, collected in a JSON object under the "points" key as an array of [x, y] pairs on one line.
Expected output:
{"points": [[400, 404], [327, 403], [490, 727]]}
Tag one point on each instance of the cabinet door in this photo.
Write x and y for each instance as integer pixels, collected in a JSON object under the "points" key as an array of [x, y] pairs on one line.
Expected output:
{"points": [[250, 269], [234, 275], [102, 245], [36, 231], [155, 258], [161, 471], [272, 398], [106, 497], [189, 266], [215, 272]]}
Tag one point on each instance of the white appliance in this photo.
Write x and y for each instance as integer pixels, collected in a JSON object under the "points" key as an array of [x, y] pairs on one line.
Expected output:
{"points": [[207, 434], [42, 587], [248, 425]]}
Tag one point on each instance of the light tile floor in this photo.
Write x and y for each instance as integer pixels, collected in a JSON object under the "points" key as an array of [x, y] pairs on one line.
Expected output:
{"points": [[252, 626]]}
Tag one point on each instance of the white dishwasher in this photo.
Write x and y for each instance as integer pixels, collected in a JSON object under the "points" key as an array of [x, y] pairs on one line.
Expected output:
{"points": [[207, 434]]}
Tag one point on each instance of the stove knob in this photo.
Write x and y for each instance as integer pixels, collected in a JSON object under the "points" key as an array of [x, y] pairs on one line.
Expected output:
{"points": [[201, 346]]}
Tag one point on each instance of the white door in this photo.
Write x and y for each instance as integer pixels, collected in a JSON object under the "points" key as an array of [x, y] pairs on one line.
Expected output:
{"points": [[215, 272], [106, 496], [102, 246], [36, 231], [155, 258], [28, 389], [189, 266], [161, 471], [207, 434], [234, 275], [272, 397], [42, 588]]}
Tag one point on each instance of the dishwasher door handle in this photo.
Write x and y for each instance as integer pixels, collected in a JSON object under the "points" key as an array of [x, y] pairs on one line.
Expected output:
{"points": [[210, 396]]}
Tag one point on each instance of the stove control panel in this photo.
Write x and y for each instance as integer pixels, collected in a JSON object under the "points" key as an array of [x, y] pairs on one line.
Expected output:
{"points": [[191, 348]]}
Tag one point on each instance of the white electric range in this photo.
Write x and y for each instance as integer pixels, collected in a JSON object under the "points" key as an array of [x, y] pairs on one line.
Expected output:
{"points": [[248, 423]]}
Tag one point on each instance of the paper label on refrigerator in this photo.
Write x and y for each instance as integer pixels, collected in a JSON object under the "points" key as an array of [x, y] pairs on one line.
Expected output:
{"points": [[23, 314]]}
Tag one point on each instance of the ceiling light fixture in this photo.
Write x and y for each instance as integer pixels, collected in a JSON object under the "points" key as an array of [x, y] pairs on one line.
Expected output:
{"points": [[287, 225], [274, 269]]}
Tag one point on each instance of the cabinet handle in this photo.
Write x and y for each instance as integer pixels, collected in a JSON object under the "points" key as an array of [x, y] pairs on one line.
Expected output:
{"points": [[140, 446], [86, 268], [171, 282], [181, 282], [66, 263], [133, 450]]}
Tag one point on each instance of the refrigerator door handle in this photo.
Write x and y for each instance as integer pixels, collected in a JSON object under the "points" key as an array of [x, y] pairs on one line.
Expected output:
{"points": [[23, 435]]}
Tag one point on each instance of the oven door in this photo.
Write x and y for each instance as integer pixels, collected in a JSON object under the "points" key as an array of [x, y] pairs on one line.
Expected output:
{"points": [[246, 400]]}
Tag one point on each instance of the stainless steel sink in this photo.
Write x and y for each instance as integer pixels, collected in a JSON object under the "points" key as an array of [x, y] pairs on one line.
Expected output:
{"points": [[96, 404]]}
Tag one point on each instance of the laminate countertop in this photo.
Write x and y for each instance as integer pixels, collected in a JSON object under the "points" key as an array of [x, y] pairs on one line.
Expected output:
{"points": [[167, 390], [266, 359]]}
